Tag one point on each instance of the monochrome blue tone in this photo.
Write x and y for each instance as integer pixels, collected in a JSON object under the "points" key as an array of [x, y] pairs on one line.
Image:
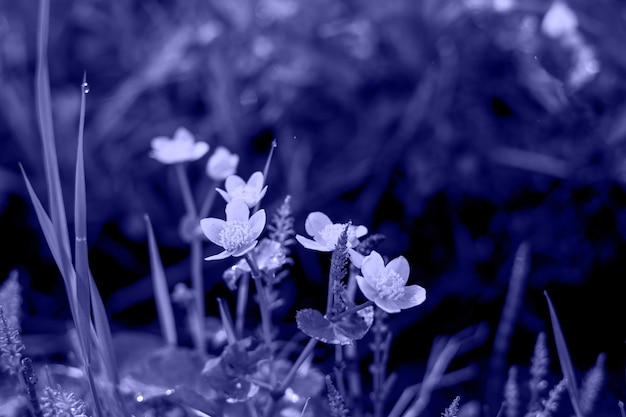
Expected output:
{"points": [[478, 143]]}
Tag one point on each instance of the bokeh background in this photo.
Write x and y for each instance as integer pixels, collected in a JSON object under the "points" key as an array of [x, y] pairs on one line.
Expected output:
{"points": [[456, 128]]}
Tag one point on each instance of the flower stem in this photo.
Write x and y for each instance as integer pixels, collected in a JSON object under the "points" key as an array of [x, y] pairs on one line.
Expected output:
{"points": [[242, 303], [266, 314], [351, 311], [207, 204], [294, 368], [197, 282]]}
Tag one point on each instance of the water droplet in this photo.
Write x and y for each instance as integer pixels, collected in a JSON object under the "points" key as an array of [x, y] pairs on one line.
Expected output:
{"points": [[85, 88]]}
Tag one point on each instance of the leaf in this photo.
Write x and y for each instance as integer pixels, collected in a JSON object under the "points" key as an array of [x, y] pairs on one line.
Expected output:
{"points": [[161, 290], [342, 332], [564, 358], [11, 299]]}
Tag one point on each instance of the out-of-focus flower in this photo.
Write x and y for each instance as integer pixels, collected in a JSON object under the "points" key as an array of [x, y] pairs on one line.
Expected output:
{"points": [[222, 164], [325, 233], [238, 234], [250, 192], [181, 148], [559, 20], [269, 256], [386, 286]]}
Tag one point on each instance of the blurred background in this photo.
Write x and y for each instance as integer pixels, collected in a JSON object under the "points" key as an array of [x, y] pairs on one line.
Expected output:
{"points": [[456, 128]]}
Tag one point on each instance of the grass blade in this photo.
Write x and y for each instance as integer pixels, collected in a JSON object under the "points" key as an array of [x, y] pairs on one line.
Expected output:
{"points": [[564, 358], [44, 116], [103, 331], [161, 291], [80, 248]]}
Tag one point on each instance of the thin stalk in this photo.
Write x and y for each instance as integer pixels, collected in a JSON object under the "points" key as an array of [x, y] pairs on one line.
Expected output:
{"points": [[352, 310], [207, 204], [294, 368], [266, 170], [266, 314], [195, 261], [242, 303]]}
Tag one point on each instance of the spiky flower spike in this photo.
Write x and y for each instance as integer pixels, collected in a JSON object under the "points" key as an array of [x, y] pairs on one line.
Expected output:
{"points": [[552, 403], [11, 300], [11, 346], [335, 400], [591, 385], [281, 226], [453, 409], [511, 394], [538, 370], [60, 403], [338, 262]]}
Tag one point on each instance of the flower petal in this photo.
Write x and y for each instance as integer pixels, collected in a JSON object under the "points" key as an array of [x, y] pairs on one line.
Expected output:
{"points": [[412, 296], [199, 149], [237, 209], [360, 231], [401, 266], [183, 135], [211, 227], [311, 244], [224, 194], [315, 222], [373, 265], [256, 180], [233, 182], [368, 291], [245, 249], [389, 306], [221, 255], [160, 142], [257, 224], [356, 258]]}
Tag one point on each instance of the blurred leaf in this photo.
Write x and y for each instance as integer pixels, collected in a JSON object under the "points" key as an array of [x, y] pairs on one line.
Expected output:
{"points": [[343, 332]]}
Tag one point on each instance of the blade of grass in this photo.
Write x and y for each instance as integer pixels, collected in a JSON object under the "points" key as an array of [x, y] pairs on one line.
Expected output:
{"points": [[44, 115], [161, 291], [80, 247], [564, 358], [103, 332]]}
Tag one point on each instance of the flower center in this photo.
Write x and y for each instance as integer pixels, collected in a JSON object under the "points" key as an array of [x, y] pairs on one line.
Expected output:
{"points": [[330, 234], [235, 235], [389, 285]]}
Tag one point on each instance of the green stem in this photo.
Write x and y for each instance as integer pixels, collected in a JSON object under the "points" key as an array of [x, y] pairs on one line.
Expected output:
{"points": [[294, 368], [242, 303], [207, 204], [351, 311], [197, 282], [266, 314]]}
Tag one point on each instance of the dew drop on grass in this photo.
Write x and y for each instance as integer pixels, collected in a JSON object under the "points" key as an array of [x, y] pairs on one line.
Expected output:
{"points": [[85, 88]]}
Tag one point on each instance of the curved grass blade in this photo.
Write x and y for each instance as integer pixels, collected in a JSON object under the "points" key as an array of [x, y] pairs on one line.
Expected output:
{"points": [[564, 358], [161, 292], [80, 248], [44, 116]]}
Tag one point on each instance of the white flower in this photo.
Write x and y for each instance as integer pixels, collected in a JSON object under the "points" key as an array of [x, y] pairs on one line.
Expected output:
{"points": [[269, 255], [385, 285], [222, 164], [251, 192], [181, 148], [325, 233], [238, 234], [559, 20]]}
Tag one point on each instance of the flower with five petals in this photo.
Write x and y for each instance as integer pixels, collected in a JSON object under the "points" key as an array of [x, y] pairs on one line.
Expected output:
{"points": [[385, 285], [238, 234], [181, 148], [251, 192], [325, 233], [222, 164]]}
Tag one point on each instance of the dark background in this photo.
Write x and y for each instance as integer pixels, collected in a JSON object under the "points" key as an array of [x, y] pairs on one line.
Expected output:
{"points": [[453, 128]]}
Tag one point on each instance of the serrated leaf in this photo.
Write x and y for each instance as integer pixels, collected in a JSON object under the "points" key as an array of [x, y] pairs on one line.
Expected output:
{"points": [[342, 332]]}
